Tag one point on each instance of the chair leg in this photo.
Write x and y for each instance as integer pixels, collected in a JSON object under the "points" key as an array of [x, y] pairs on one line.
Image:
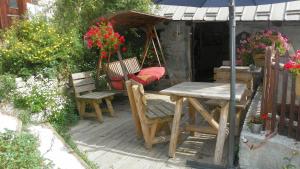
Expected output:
{"points": [[82, 108], [110, 107], [98, 111]]}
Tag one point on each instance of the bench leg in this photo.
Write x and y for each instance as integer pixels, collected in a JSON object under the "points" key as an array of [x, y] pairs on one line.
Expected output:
{"points": [[98, 111], [110, 107], [82, 106]]}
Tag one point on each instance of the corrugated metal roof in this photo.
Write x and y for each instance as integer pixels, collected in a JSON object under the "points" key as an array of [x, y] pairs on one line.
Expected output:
{"points": [[216, 10]]}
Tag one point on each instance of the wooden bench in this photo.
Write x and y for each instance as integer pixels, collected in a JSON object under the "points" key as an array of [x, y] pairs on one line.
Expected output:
{"points": [[84, 86], [148, 118]]}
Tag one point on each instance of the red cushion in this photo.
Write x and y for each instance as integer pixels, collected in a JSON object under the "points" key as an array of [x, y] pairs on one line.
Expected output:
{"points": [[157, 72], [116, 78], [117, 83], [143, 79]]}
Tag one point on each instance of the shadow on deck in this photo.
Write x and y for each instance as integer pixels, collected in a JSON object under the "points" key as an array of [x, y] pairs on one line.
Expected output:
{"points": [[113, 144]]}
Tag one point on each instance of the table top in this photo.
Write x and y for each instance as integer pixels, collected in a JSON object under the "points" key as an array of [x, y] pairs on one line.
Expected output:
{"points": [[206, 90]]}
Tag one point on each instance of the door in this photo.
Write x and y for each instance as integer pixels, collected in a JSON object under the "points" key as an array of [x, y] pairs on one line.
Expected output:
{"points": [[210, 48]]}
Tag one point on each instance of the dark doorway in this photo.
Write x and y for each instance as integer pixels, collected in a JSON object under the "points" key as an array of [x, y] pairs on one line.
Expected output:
{"points": [[209, 48]]}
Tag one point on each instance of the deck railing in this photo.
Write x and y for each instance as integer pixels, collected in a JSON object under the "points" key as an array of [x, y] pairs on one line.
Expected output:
{"points": [[279, 96]]}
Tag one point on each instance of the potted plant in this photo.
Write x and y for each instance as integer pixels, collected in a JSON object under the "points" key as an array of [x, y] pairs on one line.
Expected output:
{"points": [[256, 122], [293, 65], [253, 48], [105, 39]]}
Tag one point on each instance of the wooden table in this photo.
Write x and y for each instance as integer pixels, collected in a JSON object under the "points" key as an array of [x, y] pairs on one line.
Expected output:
{"points": [[202, 90]]}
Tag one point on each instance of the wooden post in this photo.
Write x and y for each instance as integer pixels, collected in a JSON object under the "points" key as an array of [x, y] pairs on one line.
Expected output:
{"points": [[175, 127], [292, 108], [192, 117], [221, 134], [275, 91]]}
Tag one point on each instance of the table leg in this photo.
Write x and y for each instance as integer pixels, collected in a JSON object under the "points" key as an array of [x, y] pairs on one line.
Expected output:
{"points": [[221, 134], [175, 127], [192, 117]]}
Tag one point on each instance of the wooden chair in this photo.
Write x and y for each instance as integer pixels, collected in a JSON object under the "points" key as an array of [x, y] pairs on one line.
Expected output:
{"points": [[84, 86], [148, 118]]}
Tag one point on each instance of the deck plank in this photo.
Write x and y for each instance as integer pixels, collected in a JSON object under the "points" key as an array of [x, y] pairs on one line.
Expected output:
{"points": [[113, 144]]}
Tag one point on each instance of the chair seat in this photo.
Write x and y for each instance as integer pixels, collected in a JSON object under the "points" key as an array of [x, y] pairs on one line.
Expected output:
{"points": [[96, 95], [160, 111]]}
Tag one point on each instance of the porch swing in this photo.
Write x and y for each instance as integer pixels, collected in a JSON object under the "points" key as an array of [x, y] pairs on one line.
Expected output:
{"points": [[119, 71]]}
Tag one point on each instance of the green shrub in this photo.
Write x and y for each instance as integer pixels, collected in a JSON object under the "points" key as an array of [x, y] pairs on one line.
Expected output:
{"points": [[7, 85], [36, 46], [66, 117], [20, 151]]}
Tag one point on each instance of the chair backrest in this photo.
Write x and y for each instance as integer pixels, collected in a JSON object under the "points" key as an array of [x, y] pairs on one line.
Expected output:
{"points": [[137, 95], [114, 69], [83, 82]]}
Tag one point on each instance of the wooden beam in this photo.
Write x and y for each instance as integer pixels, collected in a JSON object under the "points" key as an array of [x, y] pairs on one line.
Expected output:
{"points": [[204, 113]]}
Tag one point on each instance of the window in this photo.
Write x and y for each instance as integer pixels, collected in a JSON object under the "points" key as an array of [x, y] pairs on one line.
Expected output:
{"points": [[13, 4]]}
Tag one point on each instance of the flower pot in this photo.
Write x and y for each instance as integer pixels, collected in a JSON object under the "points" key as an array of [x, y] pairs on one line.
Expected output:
{"points": [[298, 85], [256, 128], [259, 59]]}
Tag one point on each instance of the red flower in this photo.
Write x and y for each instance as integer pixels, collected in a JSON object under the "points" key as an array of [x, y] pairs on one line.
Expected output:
{"points": [[122, 39], [99, 44], [90, 43], [124, 49], [117, 35], [264, 116], [106, 36], [116, 47]]}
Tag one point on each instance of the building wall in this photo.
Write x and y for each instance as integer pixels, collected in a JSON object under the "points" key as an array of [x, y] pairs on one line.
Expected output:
{"points": [[175, 38]]}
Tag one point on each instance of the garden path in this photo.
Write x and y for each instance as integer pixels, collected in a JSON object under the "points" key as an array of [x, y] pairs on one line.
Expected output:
{"points": [[113, 144]]}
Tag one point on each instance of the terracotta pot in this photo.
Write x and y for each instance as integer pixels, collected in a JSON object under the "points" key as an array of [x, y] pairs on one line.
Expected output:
{"points": [[259, 59], [298, 85]]}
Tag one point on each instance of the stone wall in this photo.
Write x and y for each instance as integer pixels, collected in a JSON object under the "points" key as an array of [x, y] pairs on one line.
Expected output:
{"points": [[174, 38]]}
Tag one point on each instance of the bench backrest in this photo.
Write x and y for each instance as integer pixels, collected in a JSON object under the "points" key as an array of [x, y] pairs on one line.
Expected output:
{"points": [[83, 82], [114, 69]]}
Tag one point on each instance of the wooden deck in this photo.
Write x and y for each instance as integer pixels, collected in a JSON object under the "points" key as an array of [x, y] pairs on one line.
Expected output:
{"points": [[113, 144]]}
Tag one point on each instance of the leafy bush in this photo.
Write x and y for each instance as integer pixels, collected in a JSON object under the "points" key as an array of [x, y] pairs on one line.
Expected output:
{"points": [[7, 85], [34, 46], [20, 151]]}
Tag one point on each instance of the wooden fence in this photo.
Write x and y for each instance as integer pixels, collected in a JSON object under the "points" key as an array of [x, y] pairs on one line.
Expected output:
{"points": [[279, 97]]}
